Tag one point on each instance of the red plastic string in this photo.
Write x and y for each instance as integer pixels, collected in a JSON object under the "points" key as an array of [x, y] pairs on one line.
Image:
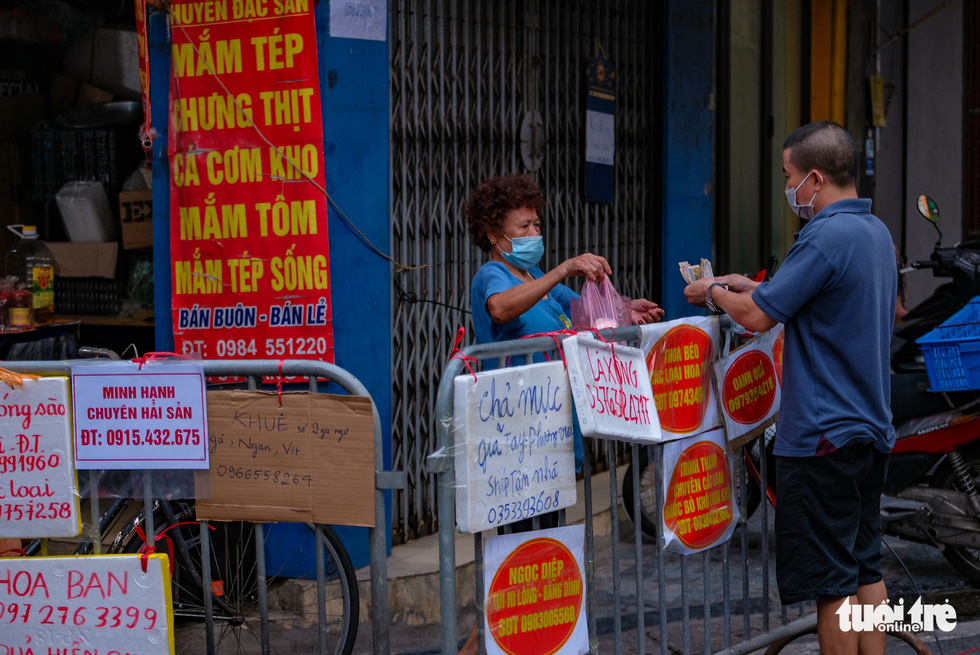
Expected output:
{"points": [[279, 383], [554, 335], [146, 550], [14, 550], [150, 357], [458, 354]]}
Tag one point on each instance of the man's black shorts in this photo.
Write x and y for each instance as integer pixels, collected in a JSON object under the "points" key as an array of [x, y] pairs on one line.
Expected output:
{"points": [[828, 522]]}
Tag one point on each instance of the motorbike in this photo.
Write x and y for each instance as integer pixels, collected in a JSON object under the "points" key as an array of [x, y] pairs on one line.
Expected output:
{"points": [[932, 490]]}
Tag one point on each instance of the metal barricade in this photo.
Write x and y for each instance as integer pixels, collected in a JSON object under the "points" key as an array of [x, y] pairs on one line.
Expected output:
{"points": [[753, 565], [254, 371]]}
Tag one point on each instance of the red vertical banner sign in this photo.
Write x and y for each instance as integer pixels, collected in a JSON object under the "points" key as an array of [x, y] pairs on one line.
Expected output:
{"points": [[248, 213]]}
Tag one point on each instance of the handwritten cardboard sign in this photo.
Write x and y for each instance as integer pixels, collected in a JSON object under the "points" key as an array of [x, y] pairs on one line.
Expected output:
{"points": [[310, 460], [747, 384], [535, 585], [611, 387], [699, 510], [514, 441], [132, 417], [90, 604], [38, 489], [680, 356]]}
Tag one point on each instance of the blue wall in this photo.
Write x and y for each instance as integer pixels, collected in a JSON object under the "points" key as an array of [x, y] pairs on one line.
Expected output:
{"points": [[354, 93], [688, 137]]}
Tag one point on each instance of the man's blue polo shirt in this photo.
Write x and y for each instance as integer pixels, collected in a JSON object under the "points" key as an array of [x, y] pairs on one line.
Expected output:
{"points": [[836, 294]]}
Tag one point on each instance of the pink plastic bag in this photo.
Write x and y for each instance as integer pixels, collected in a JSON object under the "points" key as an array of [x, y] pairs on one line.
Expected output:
{"points": [[600, 306]]}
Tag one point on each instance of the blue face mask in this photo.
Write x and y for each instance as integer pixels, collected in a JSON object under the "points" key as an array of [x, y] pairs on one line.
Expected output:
{"points": [[525, 252]]}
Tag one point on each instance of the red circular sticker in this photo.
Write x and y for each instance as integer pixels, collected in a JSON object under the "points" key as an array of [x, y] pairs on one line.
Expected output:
{"points": [[535, 598], [777, 356], [699, 498], [749, 390], [679, 366]]}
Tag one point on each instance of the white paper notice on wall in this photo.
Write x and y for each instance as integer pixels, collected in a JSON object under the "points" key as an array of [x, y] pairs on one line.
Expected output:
{"points": [[611, 387], [514, 445], [359, 19], [86, 604], [600, 137], [38, 488]]}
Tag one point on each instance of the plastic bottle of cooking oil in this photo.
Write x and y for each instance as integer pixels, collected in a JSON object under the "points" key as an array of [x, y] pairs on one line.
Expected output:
{"points": [[31, 261]]}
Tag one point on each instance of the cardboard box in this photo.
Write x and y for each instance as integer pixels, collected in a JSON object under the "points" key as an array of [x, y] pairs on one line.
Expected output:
{"points": [[136, 215], [81, 259]]}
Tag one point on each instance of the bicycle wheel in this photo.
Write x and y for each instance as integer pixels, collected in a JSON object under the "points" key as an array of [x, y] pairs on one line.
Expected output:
{"points": [[292, 604]]}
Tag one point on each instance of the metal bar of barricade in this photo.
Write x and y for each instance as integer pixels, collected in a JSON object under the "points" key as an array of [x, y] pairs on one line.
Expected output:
{"points": [[638, 549], [614, 531], [290, 369], [93, 495], [685, 608], [481, 592], [148, 507], [706, 613], [206, 583], [658, 468], [261, 582], [440, 463], [261, 586], [321, 584], [590, 602], [764, 506], [726, 584], [746, 600]]}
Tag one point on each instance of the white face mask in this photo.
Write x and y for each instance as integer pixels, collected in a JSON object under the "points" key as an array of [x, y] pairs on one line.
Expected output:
{"points": [[803, 211]]}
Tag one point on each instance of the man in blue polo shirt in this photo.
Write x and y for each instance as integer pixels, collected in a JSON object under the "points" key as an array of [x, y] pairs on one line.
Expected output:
{"points": [[836, 295]]}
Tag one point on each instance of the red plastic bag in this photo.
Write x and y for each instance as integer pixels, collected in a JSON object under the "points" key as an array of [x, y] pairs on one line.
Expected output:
{"points": [[600, 306]]}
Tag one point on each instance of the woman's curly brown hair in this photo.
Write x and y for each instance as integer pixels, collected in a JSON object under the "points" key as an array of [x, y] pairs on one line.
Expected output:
{"points": [[496, 197]]}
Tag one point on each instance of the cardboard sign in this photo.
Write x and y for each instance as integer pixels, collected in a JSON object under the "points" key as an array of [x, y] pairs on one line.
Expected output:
{"points": [[91, 604], [310, 460], [680, 356], [535, 584], [249, 247], [38, 489], [514, 441], [132, 417], [611, 387], [749, 391], [699, 510]]}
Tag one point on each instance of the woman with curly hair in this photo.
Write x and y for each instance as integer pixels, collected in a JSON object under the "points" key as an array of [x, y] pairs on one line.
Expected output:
{"points": [[511, 296]]}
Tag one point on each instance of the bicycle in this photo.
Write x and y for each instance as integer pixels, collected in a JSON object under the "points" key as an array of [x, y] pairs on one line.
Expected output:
{"points": [[233, 572]]}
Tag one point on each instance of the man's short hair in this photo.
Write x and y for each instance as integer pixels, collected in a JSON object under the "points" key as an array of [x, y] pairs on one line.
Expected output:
{"points": [[827, 147]]}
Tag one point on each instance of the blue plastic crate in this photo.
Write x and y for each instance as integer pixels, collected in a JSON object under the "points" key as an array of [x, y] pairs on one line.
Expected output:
{"points": [[952, 351]]}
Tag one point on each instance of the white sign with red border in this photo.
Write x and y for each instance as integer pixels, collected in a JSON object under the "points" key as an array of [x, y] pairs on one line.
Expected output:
{"points": [[38, 489], [133, 417]]}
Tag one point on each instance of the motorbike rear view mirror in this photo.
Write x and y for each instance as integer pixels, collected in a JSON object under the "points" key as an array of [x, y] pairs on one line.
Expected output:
{"points": [[930, 210]]}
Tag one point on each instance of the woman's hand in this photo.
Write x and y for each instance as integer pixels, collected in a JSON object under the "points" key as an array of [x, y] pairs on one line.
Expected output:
{"points": [[587, 265], [643, 311]]}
